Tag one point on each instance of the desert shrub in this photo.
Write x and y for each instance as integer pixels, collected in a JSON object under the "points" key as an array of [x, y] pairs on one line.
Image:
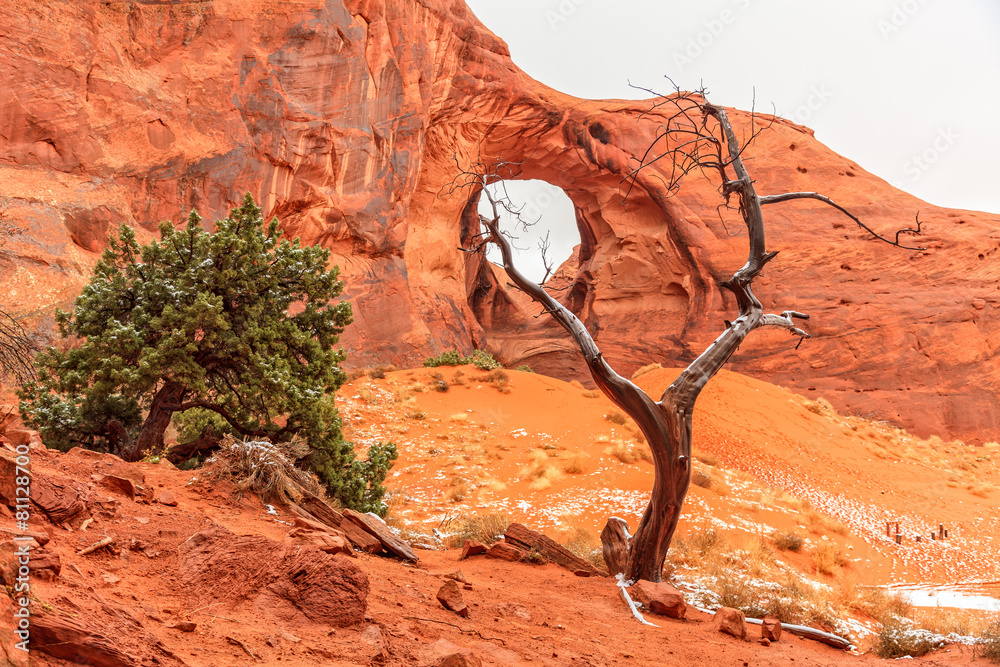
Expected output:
{"points": [[701, 478], [416, 414], [645, 369], [788, 541], [375, 373], [988, 644], [459, 378], [498, 379], [629, 452], [897, 640], [616, 417], [483, 360], [437, 383], [525, 368], [262, 468], [485, 528], [706, 458], [449, 358], [203, 318], [827, 558], [575, 464]]}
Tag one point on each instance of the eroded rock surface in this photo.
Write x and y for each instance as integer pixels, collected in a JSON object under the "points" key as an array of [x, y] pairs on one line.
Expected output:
{"points": [[346, 119]]}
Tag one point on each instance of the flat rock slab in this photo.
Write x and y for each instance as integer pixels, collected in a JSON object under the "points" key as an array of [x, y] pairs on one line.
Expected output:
{"points": [[377, 528], [450, 597], [472, 548], [731, 622], [659, 598], [505, 551], [530, 540]]}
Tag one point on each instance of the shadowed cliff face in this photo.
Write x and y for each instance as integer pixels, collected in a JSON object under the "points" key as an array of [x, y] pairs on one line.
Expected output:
{"points": [[349, 120]]}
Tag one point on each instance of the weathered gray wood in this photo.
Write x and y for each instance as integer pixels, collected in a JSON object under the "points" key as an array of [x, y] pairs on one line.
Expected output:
{"points": [[614, 541], [377, 529], [827, 638], [315, 509], [525, 538]]}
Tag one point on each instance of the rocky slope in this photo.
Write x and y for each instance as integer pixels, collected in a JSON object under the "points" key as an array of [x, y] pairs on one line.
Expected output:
{"points": [[349, 119]]}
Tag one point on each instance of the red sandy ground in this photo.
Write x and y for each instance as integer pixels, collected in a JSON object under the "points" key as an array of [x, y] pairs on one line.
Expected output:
{"points": [[525, 614]]}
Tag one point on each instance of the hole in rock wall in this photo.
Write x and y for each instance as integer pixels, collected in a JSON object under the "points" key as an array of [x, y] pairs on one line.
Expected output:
{"points": [[545, 209]]}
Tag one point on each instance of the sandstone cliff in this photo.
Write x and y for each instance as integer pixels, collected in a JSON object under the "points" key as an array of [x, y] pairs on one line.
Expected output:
{"points": [[348, 118]]}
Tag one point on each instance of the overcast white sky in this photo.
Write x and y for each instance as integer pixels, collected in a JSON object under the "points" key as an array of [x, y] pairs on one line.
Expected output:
{"points": [[908, 89]]}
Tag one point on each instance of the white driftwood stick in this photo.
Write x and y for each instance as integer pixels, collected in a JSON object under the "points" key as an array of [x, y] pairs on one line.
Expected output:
{"points": [[623, 588]]}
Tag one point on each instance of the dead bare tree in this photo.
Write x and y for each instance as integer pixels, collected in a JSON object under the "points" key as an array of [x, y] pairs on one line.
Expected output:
{"points": [[697, 136], [16, 347]]}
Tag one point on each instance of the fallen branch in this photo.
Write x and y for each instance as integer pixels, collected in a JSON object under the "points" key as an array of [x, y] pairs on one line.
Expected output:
{"points": [[827, 638], [237, 642], [622, 586], [100, 544]]}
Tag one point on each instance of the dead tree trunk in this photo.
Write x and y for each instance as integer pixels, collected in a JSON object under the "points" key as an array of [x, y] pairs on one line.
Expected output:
{"points": [[165, 403], [705, 141]]}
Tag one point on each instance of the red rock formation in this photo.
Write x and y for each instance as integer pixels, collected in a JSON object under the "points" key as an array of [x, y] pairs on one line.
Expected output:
{"points": [[347, 121]]}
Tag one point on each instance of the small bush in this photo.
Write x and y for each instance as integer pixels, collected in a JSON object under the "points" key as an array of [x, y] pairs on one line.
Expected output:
{"points": [[576, 464], [701, 478], [827, 558], [629, 452], [616, 417], [645, 369], [483, 360], [897, 640], [498, 379], [375, 373], [458, 378], [485, 528], [788, 542], [416, 414], [525, 368], [449, 358], [988, 644]]}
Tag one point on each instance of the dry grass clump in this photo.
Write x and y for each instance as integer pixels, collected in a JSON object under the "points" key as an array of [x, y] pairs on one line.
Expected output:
{"points": [[485, 528], [418, 387], [616, 416], [542, 472], [629, 452], [788, 541], [746, 575], [827, 558], [458, 491], [586, 544], [458, 378], [701, 478], [897, 639], [645, 369], [942, 621], [263, 468], [575, 463], [590, 393], [988, 645], [819, 524], [416, 414], [459, 417], [706, 458], [437, 383], [820, 406], [496, 378]]}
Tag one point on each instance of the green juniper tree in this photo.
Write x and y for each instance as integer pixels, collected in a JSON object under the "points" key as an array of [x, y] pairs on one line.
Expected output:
{"points": [[237, 322]]}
